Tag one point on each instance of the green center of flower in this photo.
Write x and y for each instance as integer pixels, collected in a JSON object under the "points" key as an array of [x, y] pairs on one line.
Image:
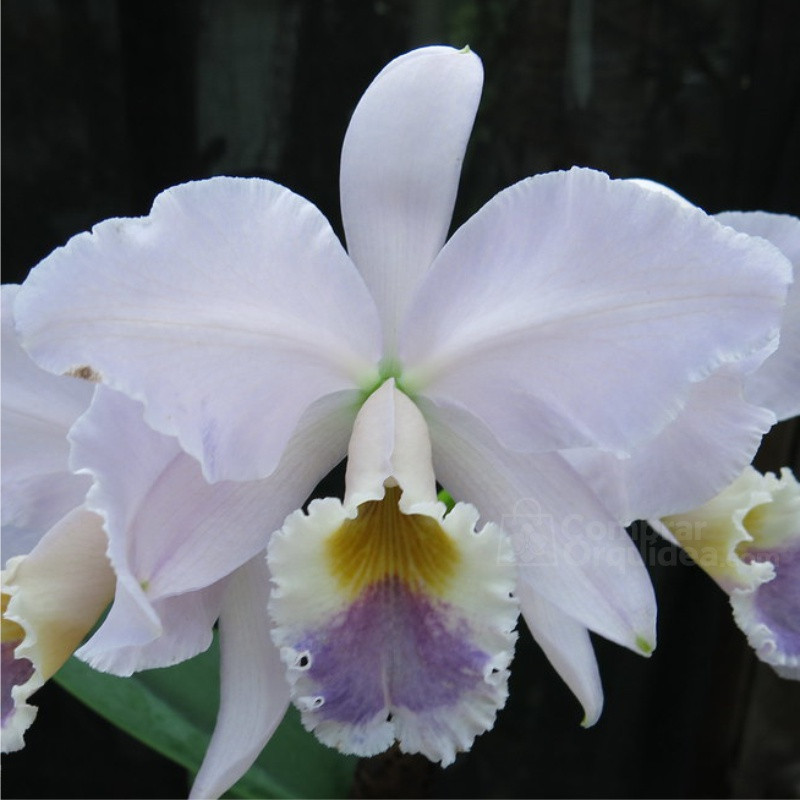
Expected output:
{"points": [[388, 368]]}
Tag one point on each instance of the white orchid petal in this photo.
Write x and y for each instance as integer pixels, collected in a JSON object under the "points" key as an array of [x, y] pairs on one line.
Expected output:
{"points": [[140, 633], [172, 534], [776, 384], [706, 448], [229, 310], [568, 647], [401, 162], [560, 290], [38, 409], [254, 693], [395, 622], [655, 186], [567, 545], [51, 599]]}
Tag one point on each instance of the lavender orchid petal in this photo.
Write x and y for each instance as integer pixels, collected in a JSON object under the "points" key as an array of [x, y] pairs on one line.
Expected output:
{"points": [[688, 462], [568, 548]]}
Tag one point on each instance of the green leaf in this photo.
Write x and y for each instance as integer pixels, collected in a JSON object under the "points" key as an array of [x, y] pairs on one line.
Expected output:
{"points": [[170, 710]]}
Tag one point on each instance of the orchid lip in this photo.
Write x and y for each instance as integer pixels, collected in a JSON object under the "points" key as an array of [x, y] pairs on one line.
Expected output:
{"points": [[395, 620]]}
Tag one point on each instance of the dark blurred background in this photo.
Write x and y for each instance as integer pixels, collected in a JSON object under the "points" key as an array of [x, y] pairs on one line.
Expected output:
{"points": [[107, 102]]}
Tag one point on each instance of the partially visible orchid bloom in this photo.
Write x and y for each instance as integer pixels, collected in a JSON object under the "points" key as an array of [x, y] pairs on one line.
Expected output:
{"points": [[56, 579], [747, 539], [571, 311]]}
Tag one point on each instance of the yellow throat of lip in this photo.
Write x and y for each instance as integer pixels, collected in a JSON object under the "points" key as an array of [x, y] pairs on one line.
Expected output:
{"points": [[11, 631], [383, 542]]}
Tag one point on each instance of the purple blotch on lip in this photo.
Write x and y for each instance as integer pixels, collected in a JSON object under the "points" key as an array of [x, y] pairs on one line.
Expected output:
{"points": [[16, 671], [392, 648], [776, 602]]}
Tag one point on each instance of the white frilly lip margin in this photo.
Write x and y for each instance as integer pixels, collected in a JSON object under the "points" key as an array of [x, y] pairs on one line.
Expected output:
{"points": [[769, 614], [390, 446]]}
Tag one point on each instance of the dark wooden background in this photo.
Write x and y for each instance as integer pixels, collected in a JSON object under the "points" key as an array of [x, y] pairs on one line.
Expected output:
{"points": [[106, 102]]}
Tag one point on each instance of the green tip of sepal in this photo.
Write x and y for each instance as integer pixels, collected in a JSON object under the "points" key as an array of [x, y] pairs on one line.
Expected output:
{"points": [[465, 49], [446, 498], [644, 645]]}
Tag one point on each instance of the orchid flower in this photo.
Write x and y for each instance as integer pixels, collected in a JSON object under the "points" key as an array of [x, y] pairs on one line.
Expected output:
{"points": [[572, 311], [56, 579]]}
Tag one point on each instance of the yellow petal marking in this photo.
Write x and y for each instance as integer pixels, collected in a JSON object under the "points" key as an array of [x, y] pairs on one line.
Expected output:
{"points": [[383, 542], [11, 631]]}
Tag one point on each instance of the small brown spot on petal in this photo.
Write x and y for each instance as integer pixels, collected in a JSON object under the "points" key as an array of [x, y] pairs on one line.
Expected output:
{"points": [[85, 373]]}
